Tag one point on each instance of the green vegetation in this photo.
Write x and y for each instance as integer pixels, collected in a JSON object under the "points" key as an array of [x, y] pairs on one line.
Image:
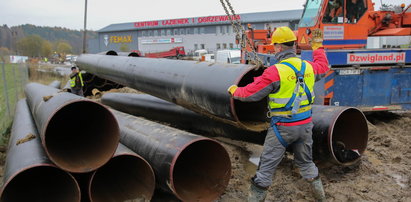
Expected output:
{"points": [[15, 78]]}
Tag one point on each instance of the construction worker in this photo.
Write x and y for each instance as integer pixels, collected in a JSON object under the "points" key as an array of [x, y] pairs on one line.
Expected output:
{"points": [[289, 86], [76, 81]]}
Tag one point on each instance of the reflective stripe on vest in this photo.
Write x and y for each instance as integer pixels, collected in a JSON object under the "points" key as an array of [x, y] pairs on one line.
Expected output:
{"points": [[288, 82], [73, 80]]}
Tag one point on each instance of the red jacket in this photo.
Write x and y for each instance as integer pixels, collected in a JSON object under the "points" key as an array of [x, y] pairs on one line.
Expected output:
{"points": [[269, 81]]}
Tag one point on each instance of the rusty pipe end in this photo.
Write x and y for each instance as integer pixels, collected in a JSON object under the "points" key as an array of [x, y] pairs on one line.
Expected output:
{"points": [[125, 177], [349, 130], [81, 136], [201, 171], [41, 183]]}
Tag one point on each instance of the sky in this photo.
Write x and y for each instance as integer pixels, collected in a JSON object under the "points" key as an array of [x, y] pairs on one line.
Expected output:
{"points": [[101, 13]]}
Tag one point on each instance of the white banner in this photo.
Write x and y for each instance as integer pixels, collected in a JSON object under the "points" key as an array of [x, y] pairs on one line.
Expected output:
{"points": [[371, 58], [18, 59], [162, 41]]}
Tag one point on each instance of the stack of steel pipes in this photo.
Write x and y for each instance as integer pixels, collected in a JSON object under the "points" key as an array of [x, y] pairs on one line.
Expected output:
{"points": [[200, 90], [66, 148]]}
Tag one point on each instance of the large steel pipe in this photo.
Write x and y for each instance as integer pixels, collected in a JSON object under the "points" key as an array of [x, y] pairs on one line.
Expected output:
{"points": [[29, 175], [340, 134], [156, 109], [78, 135], [192, 167], [201, 87], [55, 84], [126, 177], [333, 125]]}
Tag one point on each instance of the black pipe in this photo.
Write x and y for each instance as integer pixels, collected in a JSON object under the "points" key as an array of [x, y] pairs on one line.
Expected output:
{"points": [[333, 125], [192, 167], [78, 135], [29, 175], [201, 87], [126, 177], [157, 109], [55, 84], [340, 134]]}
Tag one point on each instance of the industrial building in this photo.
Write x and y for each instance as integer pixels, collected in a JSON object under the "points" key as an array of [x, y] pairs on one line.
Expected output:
{"points": [[211, 32]]}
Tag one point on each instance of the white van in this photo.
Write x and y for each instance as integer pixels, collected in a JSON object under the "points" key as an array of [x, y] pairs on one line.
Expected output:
{"points": [[209, 58], [228, 56], [198, 54]]}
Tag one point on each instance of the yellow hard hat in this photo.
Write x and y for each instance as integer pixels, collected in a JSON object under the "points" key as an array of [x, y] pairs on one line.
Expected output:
{"points": [[283, 35]]}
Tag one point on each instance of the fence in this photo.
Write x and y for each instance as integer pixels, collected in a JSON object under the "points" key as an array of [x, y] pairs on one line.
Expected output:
{"points": [[13, 78]]}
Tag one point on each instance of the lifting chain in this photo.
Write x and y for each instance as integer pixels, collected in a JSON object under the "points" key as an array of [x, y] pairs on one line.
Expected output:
{"points": [[240, 32]]}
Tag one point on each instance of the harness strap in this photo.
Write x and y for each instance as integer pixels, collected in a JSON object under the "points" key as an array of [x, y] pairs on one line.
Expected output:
{"points": [[281, 139], [300, 75]]}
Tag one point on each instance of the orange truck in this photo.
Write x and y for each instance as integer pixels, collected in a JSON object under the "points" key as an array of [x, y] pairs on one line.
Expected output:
{"points": [[370, 79]]}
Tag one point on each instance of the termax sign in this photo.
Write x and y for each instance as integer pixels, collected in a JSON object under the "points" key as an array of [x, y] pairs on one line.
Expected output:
{"points": [[121, 39], [185, 21], [379, 58]]}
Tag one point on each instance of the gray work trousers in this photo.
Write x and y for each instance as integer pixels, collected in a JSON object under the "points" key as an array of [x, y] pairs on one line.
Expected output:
{"points": [[78, 92], [300, 139]]}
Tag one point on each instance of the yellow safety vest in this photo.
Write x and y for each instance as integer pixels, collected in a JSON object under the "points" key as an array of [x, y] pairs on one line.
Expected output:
{"points": [[73, 80], [288, 83]]}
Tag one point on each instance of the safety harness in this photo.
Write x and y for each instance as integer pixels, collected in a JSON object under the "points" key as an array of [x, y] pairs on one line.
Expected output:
{"points": [[292, 111]]}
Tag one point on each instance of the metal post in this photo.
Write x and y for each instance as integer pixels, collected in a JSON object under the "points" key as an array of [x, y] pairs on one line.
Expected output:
{"points": [[6, 96], [85, 27]]}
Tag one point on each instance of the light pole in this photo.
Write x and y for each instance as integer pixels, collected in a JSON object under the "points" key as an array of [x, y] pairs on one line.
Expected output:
{"points": [[85, 28]]}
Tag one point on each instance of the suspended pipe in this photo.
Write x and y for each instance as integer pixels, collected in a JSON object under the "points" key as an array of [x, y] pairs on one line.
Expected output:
{"points": [[78, 135], [192, 167], [200, 87], [156, 109], [126, 177], [346, 125], [55, 84], [29, 175]]}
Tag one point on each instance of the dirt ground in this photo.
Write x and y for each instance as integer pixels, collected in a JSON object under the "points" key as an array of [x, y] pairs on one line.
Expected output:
{"points": [[383, 174]]}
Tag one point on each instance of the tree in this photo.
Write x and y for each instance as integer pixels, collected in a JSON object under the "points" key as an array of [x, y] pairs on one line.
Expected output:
{"points": [[30, 46], [124, 48], [4, 53], [46, 49], [63, 47]]}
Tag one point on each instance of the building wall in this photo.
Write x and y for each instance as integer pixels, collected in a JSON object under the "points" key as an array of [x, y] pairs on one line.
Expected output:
{"points": [[192, 38]]}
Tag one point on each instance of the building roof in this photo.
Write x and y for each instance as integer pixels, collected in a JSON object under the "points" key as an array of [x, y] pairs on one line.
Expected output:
{"points": [[272, 16]]}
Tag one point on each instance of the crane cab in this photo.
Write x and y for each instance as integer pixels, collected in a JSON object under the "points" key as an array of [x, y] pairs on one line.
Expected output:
{"points": [[345, 23]]}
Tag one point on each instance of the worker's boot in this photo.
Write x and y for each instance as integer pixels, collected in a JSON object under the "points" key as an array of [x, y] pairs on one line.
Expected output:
{"points": [[318, 189], [256, 193]]}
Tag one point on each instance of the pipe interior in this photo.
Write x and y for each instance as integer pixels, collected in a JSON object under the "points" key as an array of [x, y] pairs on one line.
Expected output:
{"points": [[123, 178], [133, 54], [202, 171], [350, 133], [251, 111], [111, 52], [43, 183], [81, 136]]}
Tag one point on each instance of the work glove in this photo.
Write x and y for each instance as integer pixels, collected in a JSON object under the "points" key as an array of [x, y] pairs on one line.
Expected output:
{"points": [[232, 89], [317, 39]]}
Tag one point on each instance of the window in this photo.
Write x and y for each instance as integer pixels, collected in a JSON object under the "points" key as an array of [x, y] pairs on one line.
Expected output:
{"points": [[218, 46], [155, 32], [182, 32], [163, 32], [334, 13], [150, 33], [195, 30], [195, 46], [202, 46], [355, 10], [169, 32], [143, 33], [231, 45], [217, 30], [223, 29], [187, 30], [175, 31], [229, 30], [224, 46], [310, 14], [202, 30]]}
